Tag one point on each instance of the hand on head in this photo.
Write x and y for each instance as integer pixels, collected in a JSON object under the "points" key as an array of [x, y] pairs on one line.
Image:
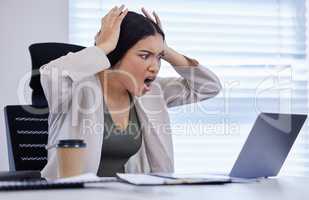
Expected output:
{"points": [[108, 36]]}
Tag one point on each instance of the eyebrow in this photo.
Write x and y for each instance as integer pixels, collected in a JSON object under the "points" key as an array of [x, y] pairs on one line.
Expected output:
{"points": [[147, 51]]}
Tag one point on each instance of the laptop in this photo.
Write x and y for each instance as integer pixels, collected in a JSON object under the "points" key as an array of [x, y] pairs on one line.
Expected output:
{"points": [[267, 145], [265, 150]]}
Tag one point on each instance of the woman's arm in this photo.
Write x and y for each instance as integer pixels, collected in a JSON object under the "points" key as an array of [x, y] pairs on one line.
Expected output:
{"points": [[197, 83], [59, 76], [176, 59]]}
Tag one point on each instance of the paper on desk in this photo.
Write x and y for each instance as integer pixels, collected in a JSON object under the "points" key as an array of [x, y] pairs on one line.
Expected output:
{"points": [[148, 179], [206, 176], [192, 176], [86, 178]]}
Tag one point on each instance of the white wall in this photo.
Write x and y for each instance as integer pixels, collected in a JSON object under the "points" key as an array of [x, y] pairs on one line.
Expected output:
{"points": [[23, 22]]}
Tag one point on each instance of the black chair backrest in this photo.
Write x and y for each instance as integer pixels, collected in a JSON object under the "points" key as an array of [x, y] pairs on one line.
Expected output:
{"points": [[27, 125], [41, 54], [27, 132]]}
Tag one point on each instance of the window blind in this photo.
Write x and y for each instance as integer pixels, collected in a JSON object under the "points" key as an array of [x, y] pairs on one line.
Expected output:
{"points": [[256, 47]]}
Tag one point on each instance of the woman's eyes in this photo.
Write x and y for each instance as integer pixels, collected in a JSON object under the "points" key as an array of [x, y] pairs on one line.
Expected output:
{"points": [[146, 56]]}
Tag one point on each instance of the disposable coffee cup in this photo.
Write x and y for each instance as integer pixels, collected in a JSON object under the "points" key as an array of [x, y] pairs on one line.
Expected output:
{"points": [[71, 157]]}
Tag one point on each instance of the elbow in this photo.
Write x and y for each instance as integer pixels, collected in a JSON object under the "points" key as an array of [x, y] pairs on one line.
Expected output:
{"points": [[44, 71], [210, 84], [218, 86], [214, 87], [208, 90], [45, 76]]}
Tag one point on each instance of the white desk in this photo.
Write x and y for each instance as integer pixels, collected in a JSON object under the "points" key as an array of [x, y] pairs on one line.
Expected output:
{"points": [[283, 188]]}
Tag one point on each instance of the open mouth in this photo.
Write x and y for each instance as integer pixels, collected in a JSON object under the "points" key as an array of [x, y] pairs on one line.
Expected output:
{"points": [[147, 83]]}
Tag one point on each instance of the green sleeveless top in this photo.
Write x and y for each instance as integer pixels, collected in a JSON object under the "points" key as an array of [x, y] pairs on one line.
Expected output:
{"points": [[119, 145]]}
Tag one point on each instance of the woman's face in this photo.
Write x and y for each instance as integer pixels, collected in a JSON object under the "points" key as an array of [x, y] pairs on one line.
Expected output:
{"points": [[140, 65]]}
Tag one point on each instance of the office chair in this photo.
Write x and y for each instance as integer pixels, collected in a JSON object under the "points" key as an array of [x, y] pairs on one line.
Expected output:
{"points": [[27, 125], [27, 132], [43, 53]]}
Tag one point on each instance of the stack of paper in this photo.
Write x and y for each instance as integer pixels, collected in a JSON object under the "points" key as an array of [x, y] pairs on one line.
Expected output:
{"points": [[160, 179]]}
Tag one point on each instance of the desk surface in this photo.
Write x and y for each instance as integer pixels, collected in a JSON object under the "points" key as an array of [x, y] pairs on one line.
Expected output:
{"points": [[272, 189]]}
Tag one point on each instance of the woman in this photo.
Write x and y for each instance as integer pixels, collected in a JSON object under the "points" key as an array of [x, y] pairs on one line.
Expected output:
{"points": [[110, 96]]}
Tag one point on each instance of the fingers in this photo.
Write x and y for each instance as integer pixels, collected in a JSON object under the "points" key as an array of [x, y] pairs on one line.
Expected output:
{"points": [[118, 14], [110, 12], [121, 8], [121, 16], [115, 15], [147, 14], [157, 19], [117, 11], [107, 16]]}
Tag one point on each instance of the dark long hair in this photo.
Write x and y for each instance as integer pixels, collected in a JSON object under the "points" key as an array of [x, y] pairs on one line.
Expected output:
{"points": [[134, 27]]}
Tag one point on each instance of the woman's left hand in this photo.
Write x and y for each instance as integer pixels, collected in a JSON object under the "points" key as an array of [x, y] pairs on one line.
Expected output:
{"points": [[170, 55], [157, 21]]}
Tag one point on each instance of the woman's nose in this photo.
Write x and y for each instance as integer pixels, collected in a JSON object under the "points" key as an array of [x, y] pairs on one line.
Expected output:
{"points": [[154, 67]]}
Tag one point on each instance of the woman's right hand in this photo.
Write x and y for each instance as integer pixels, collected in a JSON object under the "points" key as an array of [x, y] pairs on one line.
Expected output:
{"points": [[107, 37]]}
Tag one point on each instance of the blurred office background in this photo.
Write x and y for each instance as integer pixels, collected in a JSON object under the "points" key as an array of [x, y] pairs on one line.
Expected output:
{"points": [[258, 48]]}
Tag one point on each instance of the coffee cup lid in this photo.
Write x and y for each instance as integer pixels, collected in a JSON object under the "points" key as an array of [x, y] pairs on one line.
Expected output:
{"points": [[71, 143]]}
